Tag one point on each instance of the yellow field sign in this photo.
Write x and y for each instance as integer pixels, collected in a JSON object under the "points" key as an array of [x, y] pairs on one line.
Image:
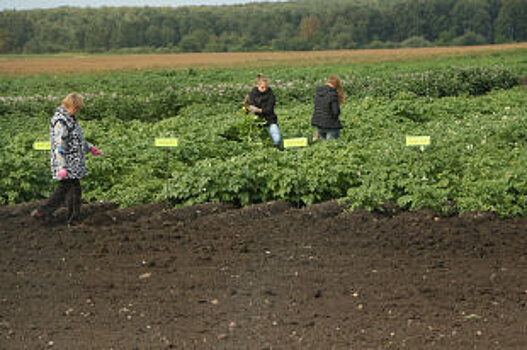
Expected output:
{"points": [[166, 142], [41, 146], [418, 141], [296, 142]]}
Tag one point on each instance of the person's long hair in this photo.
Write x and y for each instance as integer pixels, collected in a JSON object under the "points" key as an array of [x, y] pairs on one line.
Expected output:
{"points": [[261, 78], [335, 82]]}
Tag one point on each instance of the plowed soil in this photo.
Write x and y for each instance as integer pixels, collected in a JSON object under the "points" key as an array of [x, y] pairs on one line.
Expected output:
{"points": [[269, 276], [78, 63]]}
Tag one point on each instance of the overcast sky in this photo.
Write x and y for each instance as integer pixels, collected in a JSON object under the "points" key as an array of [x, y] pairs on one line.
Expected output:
{"points": [[34, 4]]}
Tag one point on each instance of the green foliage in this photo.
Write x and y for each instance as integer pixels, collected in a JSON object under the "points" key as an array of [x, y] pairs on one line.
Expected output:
{"points": [[471, 108], [249, 128], [469, 38], [415, 41], [24, 175], [292, 25], [149, 108]]}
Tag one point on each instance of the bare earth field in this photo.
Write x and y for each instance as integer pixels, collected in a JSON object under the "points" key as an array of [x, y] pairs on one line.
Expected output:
{"points": [[23, 65], [268, 276]]}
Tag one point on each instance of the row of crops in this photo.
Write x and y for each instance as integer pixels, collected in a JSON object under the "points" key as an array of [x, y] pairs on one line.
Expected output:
{"points": [[473, 108]]}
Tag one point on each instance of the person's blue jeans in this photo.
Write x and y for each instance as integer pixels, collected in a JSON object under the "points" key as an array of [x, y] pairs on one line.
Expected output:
{"points": [[274, 132], [328, 134]]}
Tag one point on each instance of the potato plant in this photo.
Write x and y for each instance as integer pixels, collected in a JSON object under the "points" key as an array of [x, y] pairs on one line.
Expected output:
{"points": [[473, 108]]}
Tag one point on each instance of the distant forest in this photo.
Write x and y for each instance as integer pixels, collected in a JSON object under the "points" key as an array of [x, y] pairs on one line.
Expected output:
{"points": [[295, 25]]}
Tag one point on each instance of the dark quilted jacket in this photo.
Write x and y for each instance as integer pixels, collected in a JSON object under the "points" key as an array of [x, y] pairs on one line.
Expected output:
{"points": [[327, 108], [265, 101]]}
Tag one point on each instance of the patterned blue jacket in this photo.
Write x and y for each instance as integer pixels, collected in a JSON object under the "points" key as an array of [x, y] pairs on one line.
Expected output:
{"points": [[68, 146]]}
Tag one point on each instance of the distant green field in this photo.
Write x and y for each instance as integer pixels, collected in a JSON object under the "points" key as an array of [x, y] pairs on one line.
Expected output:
{"points": [[472, 107]]}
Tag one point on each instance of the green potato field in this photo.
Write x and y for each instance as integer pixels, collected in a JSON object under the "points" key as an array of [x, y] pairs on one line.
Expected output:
{"points": [[474, 108]]}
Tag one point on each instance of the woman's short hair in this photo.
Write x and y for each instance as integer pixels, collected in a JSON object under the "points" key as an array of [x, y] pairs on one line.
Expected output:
{"points": [[73, 100]]}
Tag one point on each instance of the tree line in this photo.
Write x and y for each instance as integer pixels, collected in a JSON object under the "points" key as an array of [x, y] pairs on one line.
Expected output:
{"points": [[294, 25]]}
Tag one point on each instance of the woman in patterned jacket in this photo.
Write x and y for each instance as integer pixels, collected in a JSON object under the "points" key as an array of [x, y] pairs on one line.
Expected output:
{"points": [[68, 162]]}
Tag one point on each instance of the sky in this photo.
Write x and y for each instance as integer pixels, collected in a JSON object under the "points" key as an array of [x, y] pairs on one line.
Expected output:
{"points": [[41, 4]]}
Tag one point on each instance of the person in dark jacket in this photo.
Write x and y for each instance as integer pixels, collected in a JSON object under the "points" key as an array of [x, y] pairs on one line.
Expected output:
{"points": [[261, 102], [326, 115], [68, 161]]}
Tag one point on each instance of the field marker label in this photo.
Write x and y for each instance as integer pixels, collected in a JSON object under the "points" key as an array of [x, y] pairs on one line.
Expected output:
{"points": [[420, 141], [166, 142], [296, 142], [41, 145]]}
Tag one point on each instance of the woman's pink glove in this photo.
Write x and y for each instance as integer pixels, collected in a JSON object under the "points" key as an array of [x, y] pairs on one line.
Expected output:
{"points": [[62, 173], [95, 151]]}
